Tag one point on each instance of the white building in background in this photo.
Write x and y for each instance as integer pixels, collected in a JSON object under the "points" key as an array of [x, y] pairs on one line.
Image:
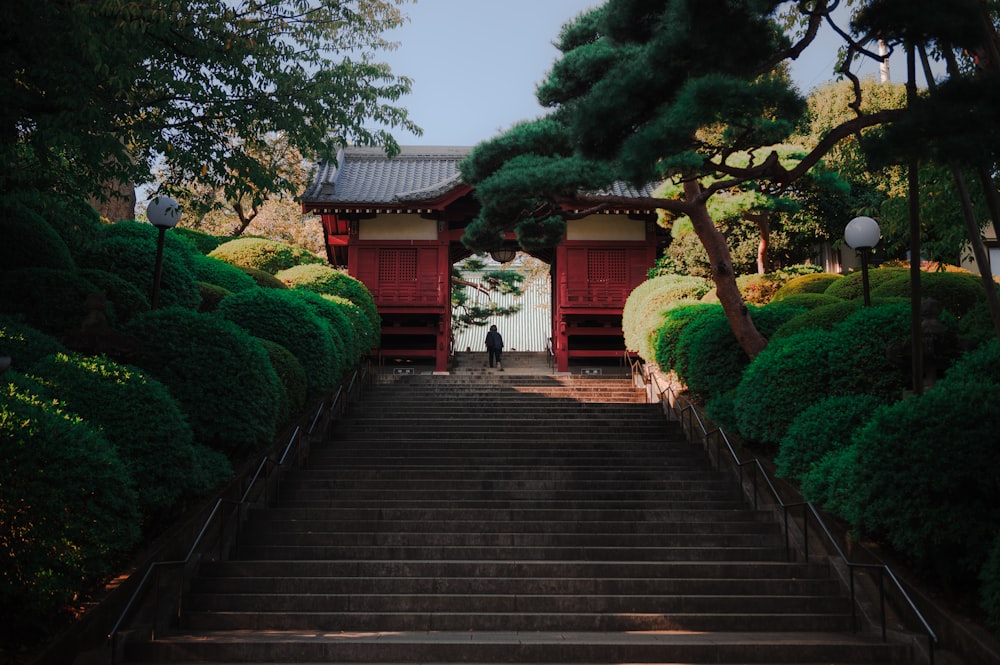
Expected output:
{"points": [[528, 330]]}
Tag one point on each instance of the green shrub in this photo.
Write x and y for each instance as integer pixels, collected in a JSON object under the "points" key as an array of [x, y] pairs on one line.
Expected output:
{"points": [[833, 482], [759, 289], [642, 315], [24, 344], [211, 296], [222, 274], [132, 256], [976, 327], [851, 286], [819, 429], [264, 280], [291, 375], [141, 234], [675, 320], [205, 242], [715, 361], [365, 335], [928, 477], [824, 317], [325, 280], [74, 219], [791, 374], [221, 376], [124, 297], [807, 300], [54, 301], [262, 254], [145, 424], [29, 241], [815, 283], [283, 317], [67, 506], [345, 338], [956, 291]]}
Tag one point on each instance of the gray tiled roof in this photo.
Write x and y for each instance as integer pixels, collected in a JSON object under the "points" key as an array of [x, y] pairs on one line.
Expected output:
{"points": [[417, 173], [366, 175]]}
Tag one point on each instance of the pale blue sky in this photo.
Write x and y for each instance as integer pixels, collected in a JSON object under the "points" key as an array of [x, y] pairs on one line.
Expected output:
{"points": [[476, 63]]}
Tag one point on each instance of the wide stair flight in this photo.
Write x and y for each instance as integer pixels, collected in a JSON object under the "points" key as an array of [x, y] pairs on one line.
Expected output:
{"points": [[506, 518]]}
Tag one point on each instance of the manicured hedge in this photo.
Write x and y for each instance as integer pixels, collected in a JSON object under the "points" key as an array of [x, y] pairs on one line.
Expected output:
{"points": [[823, 317], [262, 254], [325, 280], [132, 256], [24, 344], [205, 242], [283, 317], [29, 241], [67, 505], [814, 283], [125, 299], [956, 291], [675, 320], [794, 372], [222, 274], [851, 285], [643, 313], [264, 280], [142, 420], [292, 377], [221, 376], [53, 301]]}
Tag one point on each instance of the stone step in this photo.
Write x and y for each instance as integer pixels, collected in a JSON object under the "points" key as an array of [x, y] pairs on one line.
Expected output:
{"points": [[355, 620], [515, 646]]}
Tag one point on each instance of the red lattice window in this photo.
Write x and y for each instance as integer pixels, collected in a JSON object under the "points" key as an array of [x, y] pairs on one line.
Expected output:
{"points": [[397, 265], [606, 266]]}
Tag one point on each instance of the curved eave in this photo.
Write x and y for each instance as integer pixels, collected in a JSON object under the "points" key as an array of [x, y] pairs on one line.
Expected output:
{"points": [[415, 205]]}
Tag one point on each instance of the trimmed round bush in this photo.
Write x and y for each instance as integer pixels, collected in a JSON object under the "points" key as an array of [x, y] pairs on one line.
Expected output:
{"points": [[642, 315], [976, 327], [205, 242], [73, 218], [675, 320], [807, 300], [715, 361], [221, 376], [758, 289], [339, 325], [794, 372], [24, 344], [67, 506], [132, 256], [325, 280], [222, 274], [263, 254], [283, 317], [825, 426], [292, 377], [125, 298], [29, 241], [54, 301], [851, 286], [824, 317], [211, 296], [264, 280], [139, 417], [957, 292], [928, 477], [142, 234], [814, 283]]}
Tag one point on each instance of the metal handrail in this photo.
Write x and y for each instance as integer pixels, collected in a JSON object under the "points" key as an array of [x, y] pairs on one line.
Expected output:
{"points": [[883, 570], [335, 407]]}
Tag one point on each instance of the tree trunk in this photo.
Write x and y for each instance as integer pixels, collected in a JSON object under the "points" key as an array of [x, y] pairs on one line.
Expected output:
{"points": [[747, 335]]}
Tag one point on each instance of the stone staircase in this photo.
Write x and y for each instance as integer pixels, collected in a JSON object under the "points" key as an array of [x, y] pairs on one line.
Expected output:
{"points": [[511, 518]]}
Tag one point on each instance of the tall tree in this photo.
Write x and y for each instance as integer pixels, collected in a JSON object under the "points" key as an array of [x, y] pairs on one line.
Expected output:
{"points": [[651, 90], [122, 85]]}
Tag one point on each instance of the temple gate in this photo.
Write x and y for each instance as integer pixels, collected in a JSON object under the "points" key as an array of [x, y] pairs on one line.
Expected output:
{"points": [[396, 225]]}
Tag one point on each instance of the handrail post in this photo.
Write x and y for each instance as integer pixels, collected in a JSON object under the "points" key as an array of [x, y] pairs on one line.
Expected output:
{"points": [[881, 598]]}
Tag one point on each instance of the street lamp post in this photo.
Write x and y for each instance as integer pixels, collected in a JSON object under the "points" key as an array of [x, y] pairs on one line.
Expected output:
{"points": [[863, 233], [163, 212]]}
